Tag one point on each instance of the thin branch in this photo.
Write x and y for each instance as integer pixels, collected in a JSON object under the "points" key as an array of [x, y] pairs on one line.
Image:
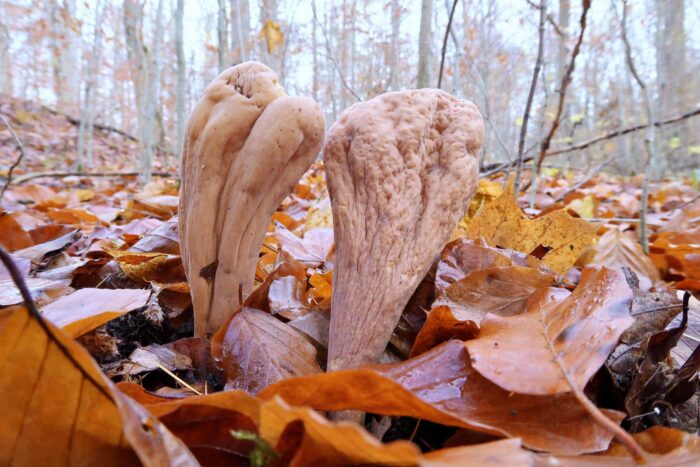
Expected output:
{"points": [[530, 97], [550, 20], [330, 55], [617, 133], [444, 42], [26, 178], [566, 80], [14, 165]]}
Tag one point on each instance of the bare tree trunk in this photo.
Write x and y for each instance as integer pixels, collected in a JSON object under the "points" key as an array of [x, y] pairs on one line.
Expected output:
{"points": [[268, 11], [64, 54], [180, 93], [240, 34], [222, 34], [5, 68], [314, 52], [424, 42], [394, 57], [87, 111], [152, 100]]}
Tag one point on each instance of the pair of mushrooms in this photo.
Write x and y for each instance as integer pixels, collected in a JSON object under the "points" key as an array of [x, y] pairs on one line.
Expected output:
{"points": [[401, 169]]}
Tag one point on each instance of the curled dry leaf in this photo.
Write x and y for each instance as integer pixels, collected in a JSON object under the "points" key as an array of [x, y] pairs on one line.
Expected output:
{"points": [[528, 353], [401, 169], [442, 325], [442, 387], [258, 349], [617, 250], [65, 405], [87, 309], [503, 224], [324, 442], [42, 252], [247, 146], [287, 297]]}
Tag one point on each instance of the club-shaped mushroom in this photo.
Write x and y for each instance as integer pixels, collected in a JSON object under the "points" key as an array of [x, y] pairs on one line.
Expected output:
{"points": [[401, 170], [247, 145]]}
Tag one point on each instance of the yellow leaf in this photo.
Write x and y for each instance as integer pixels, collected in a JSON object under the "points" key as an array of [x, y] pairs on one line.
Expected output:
{"points": [[674, 143], [584, 207], [139, 266], [501, 223], [322, 289], [272, 33]]}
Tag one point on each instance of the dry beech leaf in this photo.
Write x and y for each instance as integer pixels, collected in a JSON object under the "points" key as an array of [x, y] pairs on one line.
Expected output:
{"points": [[503, 224], [442, 325], [321, 289], [162, 239], [313, 250], [287, 297], [54, 396], [42, 290], [258, 349], [665, 447], [40, 252], [12, 235], [527, 353], [325, 442], [442, 387], [617, 250], [322, 442], [87, 309], [503, 291], [158, 267], [506, 452]]}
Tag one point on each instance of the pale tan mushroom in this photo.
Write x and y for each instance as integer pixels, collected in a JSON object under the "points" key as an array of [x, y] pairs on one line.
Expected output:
{"points": [[401, 170], [246, 148]]}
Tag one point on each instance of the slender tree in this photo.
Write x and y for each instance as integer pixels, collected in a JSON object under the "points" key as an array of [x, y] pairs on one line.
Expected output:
{"points": [[424, 43]]}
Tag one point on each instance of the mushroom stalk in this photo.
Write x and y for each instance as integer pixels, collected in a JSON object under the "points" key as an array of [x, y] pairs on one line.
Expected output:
{"points": [[401, 170], [247, 145]]}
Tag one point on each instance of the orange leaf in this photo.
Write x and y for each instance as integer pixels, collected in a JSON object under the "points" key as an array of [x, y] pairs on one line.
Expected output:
{"points": [[528, 353]]}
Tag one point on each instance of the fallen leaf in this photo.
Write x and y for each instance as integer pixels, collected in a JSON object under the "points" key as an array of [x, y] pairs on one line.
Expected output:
{"points": [[152, 357], [496, 453], [287, 297], [528, 353], [258, 349], [312, 250], [87, 309], [442, 325], [500, 290], [12, 235], [43, 251], [442, 387], [321, 289], [42, 290], [617, 250], [66, 406], [503, 224]]}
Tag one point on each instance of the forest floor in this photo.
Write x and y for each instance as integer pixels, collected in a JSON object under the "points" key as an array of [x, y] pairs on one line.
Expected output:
{"points": [[101, 258]]}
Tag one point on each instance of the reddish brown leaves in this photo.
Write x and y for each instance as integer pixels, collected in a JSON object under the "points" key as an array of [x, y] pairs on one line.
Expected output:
{"points": [[258, 350], [528, 353], [441, 386]]}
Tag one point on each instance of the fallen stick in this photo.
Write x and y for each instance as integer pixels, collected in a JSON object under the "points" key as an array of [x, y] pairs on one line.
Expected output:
{"points": [[26, 178]]}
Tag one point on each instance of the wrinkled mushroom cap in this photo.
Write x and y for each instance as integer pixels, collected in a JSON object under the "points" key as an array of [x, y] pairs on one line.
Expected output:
{"points": [[401, 170], [247, 145]]}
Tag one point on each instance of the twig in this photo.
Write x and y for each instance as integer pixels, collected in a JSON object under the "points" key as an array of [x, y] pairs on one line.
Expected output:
{"points": [[177, 378], [550, 20], [649, 141], [530, 97], [444, 42], [330, 55], [617, 133], [566, 80], [620, 435], [20, 148], [17, 278], [26, 178]]}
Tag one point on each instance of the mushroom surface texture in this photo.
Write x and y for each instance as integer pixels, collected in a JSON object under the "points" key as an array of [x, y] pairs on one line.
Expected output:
{"points": [[246, 146], [401, 170]]}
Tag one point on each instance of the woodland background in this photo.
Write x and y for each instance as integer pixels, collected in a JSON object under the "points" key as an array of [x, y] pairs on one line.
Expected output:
{"points": [[138, 68]]}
